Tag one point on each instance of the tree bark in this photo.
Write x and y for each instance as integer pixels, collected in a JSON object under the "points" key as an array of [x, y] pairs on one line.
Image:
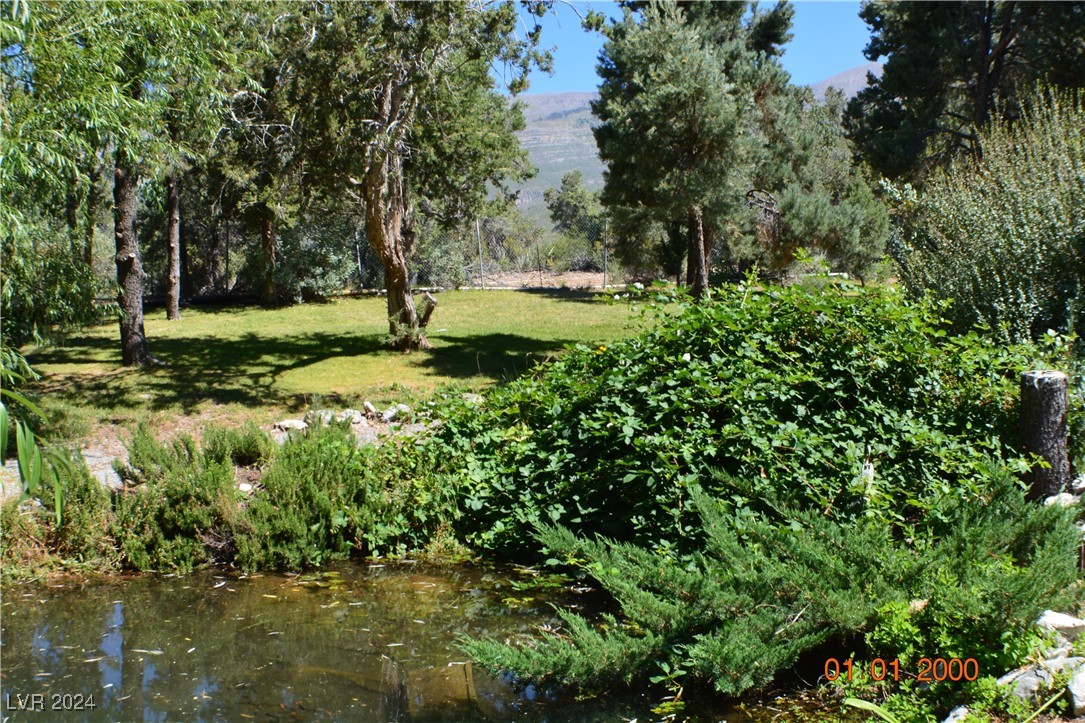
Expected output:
{"points": [[385, 212], [173, 241], [1044, 404], [697, 264], [267, 237], [129, 268]]}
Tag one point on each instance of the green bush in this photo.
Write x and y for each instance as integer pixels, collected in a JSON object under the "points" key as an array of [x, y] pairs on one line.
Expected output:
{"points": [[967, 579], [324, 497], [180, 507], [785, 390], [245, 447], [1003, 238]]}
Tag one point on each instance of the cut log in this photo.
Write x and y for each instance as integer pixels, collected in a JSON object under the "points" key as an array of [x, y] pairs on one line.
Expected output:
{"points": [[1045, 400]]}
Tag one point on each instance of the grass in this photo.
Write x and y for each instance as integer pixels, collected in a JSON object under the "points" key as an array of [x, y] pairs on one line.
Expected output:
{"points": [[233, 364]]}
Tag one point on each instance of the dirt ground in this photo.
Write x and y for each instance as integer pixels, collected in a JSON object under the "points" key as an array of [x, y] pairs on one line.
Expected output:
{"points": [[545, 279]]}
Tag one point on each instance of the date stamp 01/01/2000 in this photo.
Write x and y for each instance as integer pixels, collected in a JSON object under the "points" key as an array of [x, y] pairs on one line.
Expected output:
{"points": [[47, 702], [928, 670]]}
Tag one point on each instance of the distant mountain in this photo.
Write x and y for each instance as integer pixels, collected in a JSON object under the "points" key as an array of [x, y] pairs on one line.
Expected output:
{"points": [[851, 81], [558, 139], [558, 136]]}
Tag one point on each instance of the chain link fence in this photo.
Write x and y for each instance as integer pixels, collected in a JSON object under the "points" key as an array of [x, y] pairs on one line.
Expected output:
{"points": [[504, 253]]}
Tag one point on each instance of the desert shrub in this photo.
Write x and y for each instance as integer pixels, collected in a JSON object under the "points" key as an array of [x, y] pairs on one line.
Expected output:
{"points": [[788, 391], [967, 580], [1003, 237], [179, 508]]}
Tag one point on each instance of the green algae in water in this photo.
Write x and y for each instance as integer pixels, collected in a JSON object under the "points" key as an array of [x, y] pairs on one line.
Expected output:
{"points": [[353, 642]]}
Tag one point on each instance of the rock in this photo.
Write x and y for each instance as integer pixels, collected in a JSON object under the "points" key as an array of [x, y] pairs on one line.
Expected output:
{"points": [[1063, 499], [1076, 689], [1061, 623], [291, 425], [369, 409], [350, 415], [390, 414], [957, 714], [326, 416], [472, 398], [245, 487], [1078, 485], [1029, 683]]}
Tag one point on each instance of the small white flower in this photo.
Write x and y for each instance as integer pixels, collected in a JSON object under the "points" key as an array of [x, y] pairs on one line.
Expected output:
{"points": [[686, 356]]}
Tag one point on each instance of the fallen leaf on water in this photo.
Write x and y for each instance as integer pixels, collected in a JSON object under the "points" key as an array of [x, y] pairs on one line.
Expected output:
{"points": [[94, 660], [147, 652]]}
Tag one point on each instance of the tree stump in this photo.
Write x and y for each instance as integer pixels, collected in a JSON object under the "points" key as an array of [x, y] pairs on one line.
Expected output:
{"points": [[1045, 399]]}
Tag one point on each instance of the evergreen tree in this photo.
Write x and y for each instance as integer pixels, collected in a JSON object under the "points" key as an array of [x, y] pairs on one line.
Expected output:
{"points": [[950, 67], [674, 105], [374, 120]]}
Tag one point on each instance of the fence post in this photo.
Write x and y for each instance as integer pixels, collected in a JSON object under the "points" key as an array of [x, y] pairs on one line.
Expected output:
{"points": [[1045, 400], [478, 233], [606, 248]]}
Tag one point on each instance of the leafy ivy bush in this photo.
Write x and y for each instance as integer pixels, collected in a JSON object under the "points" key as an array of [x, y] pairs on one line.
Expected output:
{"points": [[788, 391], [1003, 238], [968, 580]]}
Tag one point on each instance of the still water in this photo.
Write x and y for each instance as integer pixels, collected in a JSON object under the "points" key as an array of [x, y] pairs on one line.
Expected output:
{"points": [[356, 642]]}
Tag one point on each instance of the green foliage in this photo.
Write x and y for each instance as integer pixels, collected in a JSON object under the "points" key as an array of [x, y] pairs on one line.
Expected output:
{"points": [[950, 69], [786, 390], [178, 509], [45, 291], [325, 497], [244, 447], [773, 584], [1003, 238]]}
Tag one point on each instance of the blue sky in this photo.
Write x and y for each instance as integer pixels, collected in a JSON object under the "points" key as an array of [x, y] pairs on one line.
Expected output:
{"points": [[829, 38]]}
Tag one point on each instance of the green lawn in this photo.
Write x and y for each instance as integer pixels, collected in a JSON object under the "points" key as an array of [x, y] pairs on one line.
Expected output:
{"points": [[236, 363]]}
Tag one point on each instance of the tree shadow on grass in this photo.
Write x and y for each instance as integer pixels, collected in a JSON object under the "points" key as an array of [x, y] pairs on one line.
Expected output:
{"points": [[248, 370], [583, 296], [498, 357], [243, 371]]}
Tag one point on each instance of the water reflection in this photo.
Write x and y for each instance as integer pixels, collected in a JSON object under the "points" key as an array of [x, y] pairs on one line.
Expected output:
{"points": [[358, 642]]}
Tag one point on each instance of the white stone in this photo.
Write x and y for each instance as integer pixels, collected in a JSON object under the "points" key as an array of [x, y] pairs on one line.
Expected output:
{"points": [[1062, 623], [326, 416], [1076, 689], [390, 414], [1063, 499], [957, 714], [350, 415], [403, 408], [288, 425], [1078, 485], [369, 408], [245, 487]]}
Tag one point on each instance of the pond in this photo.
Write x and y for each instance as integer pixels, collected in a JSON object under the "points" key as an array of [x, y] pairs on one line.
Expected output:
{"points": [[354, 642]]}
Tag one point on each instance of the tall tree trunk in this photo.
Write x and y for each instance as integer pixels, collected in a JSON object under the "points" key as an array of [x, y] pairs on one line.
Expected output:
{"points": [[90, 218], [129, 268], [697, 263], [385, 213], [173, 241], [267, 237]]}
